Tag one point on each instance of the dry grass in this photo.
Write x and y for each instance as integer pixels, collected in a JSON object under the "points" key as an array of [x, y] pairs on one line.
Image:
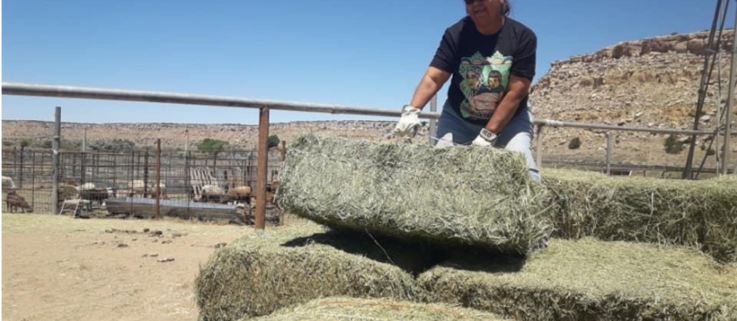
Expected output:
{"points": [[692, 213], [350, 309], [591, 280], [456, 195], [261, 273]]}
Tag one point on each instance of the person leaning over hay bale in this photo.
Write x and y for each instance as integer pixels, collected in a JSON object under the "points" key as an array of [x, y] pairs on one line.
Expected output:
{"points": [[492, 60]]}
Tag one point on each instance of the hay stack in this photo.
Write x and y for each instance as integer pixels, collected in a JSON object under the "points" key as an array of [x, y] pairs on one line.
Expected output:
{"points": [[591, 280], [691, 213], [456, 195], [261, 273], [349, 309]]}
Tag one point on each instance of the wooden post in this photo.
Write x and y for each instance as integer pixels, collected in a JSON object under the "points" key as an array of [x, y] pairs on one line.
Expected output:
{"points": [[283, 150], [145, 174], [263, 162], [609, 154], [539, 135], [55, 161], [158, 176]]}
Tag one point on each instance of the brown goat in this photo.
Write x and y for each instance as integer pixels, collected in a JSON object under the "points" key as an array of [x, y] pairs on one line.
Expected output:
{"points": [[13, 201]]}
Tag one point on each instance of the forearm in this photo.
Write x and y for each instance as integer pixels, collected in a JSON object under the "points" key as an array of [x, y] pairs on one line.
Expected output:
{"points": [[505, 111], [429, 85], [516, 93]]}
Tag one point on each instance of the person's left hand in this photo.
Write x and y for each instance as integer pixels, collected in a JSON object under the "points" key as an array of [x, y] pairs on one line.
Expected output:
{"points": [[485, 138]]}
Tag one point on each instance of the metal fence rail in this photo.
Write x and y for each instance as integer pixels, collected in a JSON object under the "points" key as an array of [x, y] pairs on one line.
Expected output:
{"points": [[11, 88]]}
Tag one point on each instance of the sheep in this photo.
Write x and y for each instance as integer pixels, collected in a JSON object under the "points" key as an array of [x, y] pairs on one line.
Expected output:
{"points": [[14, 200], [162, 189], [240, 193], [97, 194], [86, 187], [135, 187], [8, 183], [212, 192]]}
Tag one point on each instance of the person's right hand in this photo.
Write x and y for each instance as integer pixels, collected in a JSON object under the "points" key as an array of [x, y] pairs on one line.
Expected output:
{"points": [[409, 124]]}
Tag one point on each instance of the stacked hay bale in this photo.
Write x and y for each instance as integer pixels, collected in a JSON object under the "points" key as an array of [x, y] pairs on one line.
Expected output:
{"points": [[458, 195], [691, 213], [591, 280], [350, 309], [380, 200], [260, 273]]}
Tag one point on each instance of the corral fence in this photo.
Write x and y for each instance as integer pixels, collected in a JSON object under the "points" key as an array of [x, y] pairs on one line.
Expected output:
{"points": [[264, 106], [131, 173]]}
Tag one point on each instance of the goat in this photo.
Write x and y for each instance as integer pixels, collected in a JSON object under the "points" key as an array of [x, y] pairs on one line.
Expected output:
{"points": [[14, 200]]}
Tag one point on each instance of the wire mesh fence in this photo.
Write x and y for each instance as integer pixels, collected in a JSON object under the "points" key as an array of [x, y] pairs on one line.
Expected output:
{"points": [[100, 176]]}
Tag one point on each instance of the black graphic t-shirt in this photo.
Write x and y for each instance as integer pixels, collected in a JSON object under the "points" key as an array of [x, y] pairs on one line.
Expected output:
{"points": [[481, 65]]}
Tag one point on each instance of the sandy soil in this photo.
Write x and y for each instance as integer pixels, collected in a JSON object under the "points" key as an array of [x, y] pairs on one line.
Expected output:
{"points": [[58, 268]]}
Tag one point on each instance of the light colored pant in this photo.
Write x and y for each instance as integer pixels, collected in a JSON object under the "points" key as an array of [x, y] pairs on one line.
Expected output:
{"points": [[517, 136]]}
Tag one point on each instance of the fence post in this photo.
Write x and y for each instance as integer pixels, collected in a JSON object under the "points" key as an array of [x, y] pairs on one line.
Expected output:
{"points": [[33, 179], [283, 150], [83, 165], [158, 176], [20, 171], [262, 170], [145, 173], [539, 135], [433, 122], [55, 161], [187, 179], [609, 153], [15, 162]]}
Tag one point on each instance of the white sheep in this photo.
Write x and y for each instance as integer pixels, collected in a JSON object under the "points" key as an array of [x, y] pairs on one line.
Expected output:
{"points": [[8, 183], [86, 187]]}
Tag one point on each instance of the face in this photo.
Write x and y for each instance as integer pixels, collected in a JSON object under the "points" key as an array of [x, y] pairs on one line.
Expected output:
{"points": [[484, 11]]}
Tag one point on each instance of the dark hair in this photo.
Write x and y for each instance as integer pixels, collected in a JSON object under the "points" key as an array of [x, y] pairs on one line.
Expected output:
{"points": [[506, 8]]}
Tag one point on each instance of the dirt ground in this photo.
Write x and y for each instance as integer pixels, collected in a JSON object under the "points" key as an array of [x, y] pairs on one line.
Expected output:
{"points": [[59, 268]]}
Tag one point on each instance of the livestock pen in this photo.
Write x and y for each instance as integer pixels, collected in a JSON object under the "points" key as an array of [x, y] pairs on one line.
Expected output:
{"points": [[98, 176]]}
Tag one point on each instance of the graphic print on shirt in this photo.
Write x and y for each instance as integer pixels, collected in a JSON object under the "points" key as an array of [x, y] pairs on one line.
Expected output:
{"points": [[484, 83]]}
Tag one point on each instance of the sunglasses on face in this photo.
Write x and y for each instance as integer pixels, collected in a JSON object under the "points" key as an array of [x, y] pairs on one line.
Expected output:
{"points": [[473, 1]]}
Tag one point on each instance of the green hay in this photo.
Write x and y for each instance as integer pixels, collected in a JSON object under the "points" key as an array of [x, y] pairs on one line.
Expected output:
{"points": [[455, 195], [591, 280], [350, 309], [261, 273], [692, 213]]}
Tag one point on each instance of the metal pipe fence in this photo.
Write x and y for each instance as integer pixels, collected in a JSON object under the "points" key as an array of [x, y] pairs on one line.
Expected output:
{"points": [[10, 88]]}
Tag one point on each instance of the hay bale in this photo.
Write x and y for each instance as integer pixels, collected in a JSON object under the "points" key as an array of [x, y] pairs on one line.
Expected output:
{"points": [[456, 195], [692, 213], [347, 309], [591, 280], [261, 273]]}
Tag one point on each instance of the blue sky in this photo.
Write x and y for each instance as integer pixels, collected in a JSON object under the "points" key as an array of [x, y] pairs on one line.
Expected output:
{"points": [[365, 53]]}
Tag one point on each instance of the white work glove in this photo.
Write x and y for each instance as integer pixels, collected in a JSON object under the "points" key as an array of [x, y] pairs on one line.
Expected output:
{"points": [[409, 124], [485, 138]]}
